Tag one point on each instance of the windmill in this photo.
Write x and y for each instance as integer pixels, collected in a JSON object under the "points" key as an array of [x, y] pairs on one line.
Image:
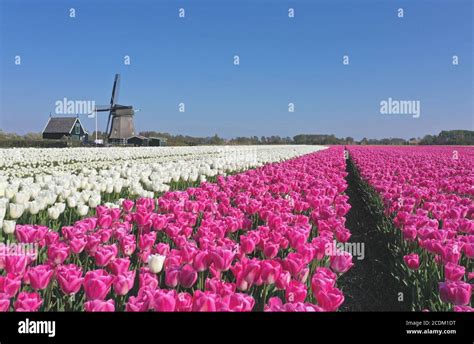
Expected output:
{"points": [[120, 117]]}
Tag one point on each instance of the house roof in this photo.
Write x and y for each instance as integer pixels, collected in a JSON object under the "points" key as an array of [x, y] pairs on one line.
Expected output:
{"points": [[61, 125], [138, 136]]}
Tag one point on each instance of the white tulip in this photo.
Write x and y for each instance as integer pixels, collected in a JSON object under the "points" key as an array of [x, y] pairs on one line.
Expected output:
{"points": [[10, 192], [16, 210], [94, 201], [71, 202], [155, 262], [34, 207], [61, 207], [3, 186], [9, 226], [53, 213], [21, 197], [82, 210]]}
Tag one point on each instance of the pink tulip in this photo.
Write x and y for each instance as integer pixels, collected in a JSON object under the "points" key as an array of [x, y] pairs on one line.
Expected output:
{"points": [[147, 279], [463, 309], [454, 272], [93, 242], [323, 279], [247, 244], [468, 250], [251, 272], [240, 303], [27, 302], [128, 245], [295, 292], [127, 205], [204, 302], [412, 261], [4, 302], [99, 306], [201, 261], [146, 241], [77, 244], [104, 221], [51, 238], [187, 276], [124, 282], [58, 253], [172, 276], [184, 302], [283, 280], [144, 301], [293, 263], [105, 254], [221, 258], [457, 292], [10, 284], [16, 264], [274, 304], [119, 266], [341, 262], [451, 254], [40, 276], [97, 284], [270, 271], [165, 301], [219, 287], [409, 233], [69, 278], [330, 299], [270, 250]]}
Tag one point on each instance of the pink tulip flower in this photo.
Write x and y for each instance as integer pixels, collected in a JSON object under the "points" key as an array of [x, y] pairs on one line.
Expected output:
{"points": [[97, 284], [69, 278], [27, 302], [412, 261], [40, 276], [99, 306]]}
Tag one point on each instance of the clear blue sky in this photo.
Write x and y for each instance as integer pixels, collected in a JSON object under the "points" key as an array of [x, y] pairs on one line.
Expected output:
{"points": [[283, 60]]}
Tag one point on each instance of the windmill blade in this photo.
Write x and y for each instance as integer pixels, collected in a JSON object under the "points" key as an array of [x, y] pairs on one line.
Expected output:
{"points": [[115, 90], [108, 122], [102, 108]]}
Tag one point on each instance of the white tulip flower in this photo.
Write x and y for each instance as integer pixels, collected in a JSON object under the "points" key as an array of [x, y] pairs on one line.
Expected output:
{"points": [[155, 262], [53, 213], [16, 210], [9, 226], [82, 210]]}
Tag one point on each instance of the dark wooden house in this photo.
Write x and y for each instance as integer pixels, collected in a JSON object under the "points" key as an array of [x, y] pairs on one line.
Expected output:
{"points": [[156, 141], [59, 127], [139, 140]]}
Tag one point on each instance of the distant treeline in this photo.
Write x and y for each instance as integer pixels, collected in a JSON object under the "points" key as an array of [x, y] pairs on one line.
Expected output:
{"points": [[451, 137]]}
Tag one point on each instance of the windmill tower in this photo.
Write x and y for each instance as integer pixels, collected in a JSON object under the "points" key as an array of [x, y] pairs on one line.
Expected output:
{"points": [[120, 117]]}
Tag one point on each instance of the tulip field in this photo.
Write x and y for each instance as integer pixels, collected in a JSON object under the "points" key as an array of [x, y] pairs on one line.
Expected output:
{"points": [[427, 193], [243, 228]]}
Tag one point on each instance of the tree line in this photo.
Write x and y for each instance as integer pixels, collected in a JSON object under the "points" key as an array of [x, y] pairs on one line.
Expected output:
{"points": [[445, 137]]}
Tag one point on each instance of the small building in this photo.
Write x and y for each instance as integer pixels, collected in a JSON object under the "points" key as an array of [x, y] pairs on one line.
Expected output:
{"points": [[138, 140], [59, 127], [156, 141]]}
